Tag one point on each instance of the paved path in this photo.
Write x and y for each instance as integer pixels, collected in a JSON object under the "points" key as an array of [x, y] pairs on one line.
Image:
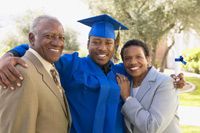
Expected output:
{"points": [[189, 115], [186, 74]]}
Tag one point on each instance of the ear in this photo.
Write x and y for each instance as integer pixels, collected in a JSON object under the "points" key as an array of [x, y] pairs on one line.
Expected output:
{"points": [[88, 43], [115, 42], [31, 38]]}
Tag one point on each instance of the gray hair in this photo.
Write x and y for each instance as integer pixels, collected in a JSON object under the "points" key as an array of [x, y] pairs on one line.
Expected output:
{"points": [[38, 20]]}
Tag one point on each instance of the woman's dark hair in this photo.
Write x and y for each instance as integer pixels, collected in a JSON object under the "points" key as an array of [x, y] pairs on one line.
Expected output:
{"points": [[135, 42]]}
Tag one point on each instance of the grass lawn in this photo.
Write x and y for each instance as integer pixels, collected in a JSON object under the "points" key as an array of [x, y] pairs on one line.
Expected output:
{"points": [[190, 129], [191, 98]]}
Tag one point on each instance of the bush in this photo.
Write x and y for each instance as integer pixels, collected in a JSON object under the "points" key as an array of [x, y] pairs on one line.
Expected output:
{"points": [[192, 57]]}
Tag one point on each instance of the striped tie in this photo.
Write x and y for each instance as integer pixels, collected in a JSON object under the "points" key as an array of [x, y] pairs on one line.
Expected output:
{"points": [[55, 78]]}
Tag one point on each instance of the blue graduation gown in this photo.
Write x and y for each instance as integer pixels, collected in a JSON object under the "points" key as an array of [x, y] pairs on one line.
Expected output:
{"points": [[94, 98]]}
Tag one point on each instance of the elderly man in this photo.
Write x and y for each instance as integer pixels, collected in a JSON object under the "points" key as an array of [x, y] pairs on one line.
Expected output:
{"points": [[39, 105]]}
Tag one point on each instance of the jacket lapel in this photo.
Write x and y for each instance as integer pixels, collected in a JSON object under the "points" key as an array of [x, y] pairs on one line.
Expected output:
{"points": [[146, 83], [68, 114], [47, 79]]}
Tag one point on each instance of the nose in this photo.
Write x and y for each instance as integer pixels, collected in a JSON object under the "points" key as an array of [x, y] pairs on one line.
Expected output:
{"points": [[102, 46], [56, 41], [133, 61]]}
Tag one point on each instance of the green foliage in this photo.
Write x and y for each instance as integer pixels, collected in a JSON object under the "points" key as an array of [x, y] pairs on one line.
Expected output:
{"points": [[22, 29], [71, 42], [188, 13], [20, 32], [190, 129], [191, 98], [192, 58], [3, 49], [23, 24]]}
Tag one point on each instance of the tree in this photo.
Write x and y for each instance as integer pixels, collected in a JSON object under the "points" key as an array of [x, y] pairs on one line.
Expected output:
{"points": [[147, 20], [150, 20], [187, 17], [22, 29], [71, 42]]}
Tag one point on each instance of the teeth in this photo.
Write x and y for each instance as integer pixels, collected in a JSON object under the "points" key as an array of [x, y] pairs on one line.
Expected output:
{"points": [[102, 55], [134, 68], [54, 50]]}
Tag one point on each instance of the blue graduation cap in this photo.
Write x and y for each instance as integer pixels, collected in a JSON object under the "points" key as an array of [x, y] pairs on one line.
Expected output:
{"points": [[103, 26]]}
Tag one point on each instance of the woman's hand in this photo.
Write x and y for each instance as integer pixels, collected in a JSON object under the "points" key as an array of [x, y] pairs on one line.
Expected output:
{"points": [[124, 84]]}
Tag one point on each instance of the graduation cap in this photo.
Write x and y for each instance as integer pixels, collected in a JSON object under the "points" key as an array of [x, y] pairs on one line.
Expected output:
{"points": [[103, 26]]}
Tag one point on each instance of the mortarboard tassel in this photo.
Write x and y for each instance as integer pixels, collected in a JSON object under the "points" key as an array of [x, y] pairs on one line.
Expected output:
{"points": [[116, 55]]}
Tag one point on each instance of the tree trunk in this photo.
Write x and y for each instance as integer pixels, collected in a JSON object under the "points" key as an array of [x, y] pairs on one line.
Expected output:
{"points": [[154, 58], [162, 66], [153, 47]]}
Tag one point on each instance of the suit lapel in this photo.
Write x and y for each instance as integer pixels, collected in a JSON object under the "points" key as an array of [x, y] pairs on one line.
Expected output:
{"points": [[67, 109], [146, 83], [47, 79]]}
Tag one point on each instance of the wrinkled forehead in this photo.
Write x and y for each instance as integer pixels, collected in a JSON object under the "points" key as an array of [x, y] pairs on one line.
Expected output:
{"points": [[50, 26]]}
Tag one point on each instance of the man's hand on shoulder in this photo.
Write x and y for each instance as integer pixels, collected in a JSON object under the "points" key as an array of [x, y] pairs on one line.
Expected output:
{"points": [[10, 77], [179, 81]]}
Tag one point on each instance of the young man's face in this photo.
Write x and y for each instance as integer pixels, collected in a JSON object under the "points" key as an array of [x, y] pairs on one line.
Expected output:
{"points": [[49, 40], [135, 61], [101, 49]]}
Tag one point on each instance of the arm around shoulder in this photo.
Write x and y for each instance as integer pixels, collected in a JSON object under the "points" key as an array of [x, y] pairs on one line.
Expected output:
{"points": [[8, 73]]}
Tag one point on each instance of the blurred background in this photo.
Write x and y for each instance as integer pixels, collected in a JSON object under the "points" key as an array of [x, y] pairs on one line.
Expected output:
{"points": [[171, 28]]}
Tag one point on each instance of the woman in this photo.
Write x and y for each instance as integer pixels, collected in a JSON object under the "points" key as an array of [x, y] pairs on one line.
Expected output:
{"points": [[150, 102]]}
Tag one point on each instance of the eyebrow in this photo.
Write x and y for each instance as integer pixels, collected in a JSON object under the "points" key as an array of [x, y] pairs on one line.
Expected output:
{"points": [[109, 40], [96, 39]]}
